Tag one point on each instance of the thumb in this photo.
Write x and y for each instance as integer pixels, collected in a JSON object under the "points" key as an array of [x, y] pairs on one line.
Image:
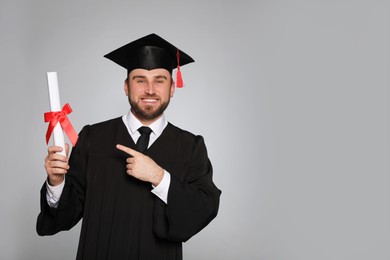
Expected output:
{"points": [[67, 150]]}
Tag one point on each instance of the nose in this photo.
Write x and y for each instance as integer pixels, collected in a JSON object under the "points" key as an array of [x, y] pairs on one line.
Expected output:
{"points": [[150, 89]]}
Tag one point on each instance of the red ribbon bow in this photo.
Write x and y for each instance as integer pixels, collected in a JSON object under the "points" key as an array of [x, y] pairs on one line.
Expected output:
{"points": [[60, 116]]}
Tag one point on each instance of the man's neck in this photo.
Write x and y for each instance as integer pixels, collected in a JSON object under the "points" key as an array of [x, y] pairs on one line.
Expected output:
{"points": [[146, 122]]}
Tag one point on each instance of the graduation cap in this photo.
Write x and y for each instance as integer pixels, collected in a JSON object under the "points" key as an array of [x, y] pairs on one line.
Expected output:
{"points": [[150, 52]]}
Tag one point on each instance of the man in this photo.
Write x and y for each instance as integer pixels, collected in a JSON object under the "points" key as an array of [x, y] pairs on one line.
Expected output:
{"points": [[141, 185]]}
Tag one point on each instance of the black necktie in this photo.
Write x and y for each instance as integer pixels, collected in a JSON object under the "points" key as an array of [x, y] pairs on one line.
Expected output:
{"points": [[143, 140]]}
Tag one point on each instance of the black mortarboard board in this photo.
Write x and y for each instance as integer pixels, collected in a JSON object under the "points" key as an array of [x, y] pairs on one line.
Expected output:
{"points": [[150, 52]]}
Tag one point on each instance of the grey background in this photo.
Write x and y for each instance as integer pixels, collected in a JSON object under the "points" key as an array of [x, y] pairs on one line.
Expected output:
{"points": [[308, 81]]}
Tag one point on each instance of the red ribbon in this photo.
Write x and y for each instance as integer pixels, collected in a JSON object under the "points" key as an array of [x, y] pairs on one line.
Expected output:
{"points": [[61, 117]]}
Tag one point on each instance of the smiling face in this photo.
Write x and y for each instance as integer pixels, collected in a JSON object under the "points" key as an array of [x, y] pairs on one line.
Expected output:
{"points": [[149, 93]]}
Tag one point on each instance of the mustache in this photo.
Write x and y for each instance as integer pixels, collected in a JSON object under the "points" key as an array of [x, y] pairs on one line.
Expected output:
{"points": [[150, 96]]}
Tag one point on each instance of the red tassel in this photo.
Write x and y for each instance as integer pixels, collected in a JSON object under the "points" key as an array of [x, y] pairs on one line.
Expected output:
{"points": [[179, 79]]}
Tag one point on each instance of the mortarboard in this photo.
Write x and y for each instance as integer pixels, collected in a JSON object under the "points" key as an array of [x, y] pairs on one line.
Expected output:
{"points": [[150, 52]]}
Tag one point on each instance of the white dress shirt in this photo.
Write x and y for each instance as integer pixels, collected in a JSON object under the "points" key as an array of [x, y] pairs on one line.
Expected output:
{"points": [[132, 124]]}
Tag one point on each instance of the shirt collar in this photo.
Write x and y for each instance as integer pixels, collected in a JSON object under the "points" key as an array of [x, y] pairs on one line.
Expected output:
{"points": [[157, 126]]}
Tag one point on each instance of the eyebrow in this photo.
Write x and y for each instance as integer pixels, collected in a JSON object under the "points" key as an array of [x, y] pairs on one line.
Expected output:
{"points": [[144, 77], [138, 77], [160, 77]]}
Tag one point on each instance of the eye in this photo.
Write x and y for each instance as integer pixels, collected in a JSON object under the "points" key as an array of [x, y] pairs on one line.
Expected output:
{"points": [[140, 81]]}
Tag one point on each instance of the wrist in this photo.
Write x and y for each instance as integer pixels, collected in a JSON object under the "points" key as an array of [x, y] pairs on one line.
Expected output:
{"points": [[158, 177], [55, 181]]}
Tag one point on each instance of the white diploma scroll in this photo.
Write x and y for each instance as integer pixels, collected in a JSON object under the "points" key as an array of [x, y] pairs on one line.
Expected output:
{"points": [[55, 106]]}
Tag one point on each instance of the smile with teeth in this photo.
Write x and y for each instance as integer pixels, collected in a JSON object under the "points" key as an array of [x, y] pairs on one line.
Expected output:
{"points": [[149, 100]]}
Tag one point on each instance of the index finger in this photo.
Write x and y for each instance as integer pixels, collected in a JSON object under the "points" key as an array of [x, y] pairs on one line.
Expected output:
{"points": [[54, 149], [53, 153], [127, 150]]}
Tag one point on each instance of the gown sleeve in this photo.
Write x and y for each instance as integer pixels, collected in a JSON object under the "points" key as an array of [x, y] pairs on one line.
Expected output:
{"points": [[192, 203], [70, 207]]}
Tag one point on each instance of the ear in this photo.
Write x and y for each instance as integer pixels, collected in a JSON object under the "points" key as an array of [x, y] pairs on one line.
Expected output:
{"points": [[172, 90], [126, 88]]}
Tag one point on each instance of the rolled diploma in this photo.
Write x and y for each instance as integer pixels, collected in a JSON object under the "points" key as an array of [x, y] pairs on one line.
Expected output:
{"points": [[55, 105]]}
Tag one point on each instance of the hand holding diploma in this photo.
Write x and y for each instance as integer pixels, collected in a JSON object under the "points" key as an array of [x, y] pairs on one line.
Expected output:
{"points": [[56, 162]]}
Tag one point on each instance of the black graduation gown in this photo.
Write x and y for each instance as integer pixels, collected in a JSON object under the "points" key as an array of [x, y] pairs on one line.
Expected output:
{"points": [[122, 218]]}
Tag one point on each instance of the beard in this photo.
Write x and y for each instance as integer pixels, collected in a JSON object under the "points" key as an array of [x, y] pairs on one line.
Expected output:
{"points": [[147, 113]]}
